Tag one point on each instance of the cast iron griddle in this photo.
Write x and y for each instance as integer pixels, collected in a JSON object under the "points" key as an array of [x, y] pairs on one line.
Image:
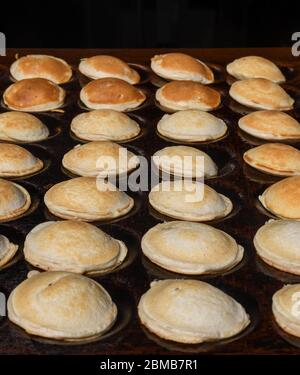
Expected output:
{"points": [[252, 283]]}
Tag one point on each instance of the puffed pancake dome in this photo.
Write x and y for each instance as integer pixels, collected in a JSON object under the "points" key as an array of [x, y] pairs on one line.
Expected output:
{"points": [[14, 200], [185, 161], [191, 248], [73, 246], [274, 158], [7, 250], [255, 67], [103, 66], [260, 93], [61, 306], [191, 312], [189, 200], [85, 160], [104, 125], [16, 161], [180, 95], [83, 199], [180, 66], [111, 93], [277, 243], [283, 198], [22, 127], [34, 95], [285, 309], [191, 126], [270, 125], [41, 66]]}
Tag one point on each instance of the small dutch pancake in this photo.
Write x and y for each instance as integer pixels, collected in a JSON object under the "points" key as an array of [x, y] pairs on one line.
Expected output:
{"points": [[191, 312], [277, 243], [104, 125], [7, 250], [286, 309], [14, 200], [274, 158], [191, 126], [180, 66], [270, 125], [62, 306], [100, 159], [111, 93], [255, 67], [34, 95], [22, 127], [73, 246], [16, 161], [189, 200], [191, 248], [282, 199], [82, 198], [260, 93], [185, 161], [180, 95], [104, 66], [41, 66]]}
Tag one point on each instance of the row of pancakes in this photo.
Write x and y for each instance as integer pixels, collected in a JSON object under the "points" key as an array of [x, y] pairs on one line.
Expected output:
{"points": [[101, 125], [171, 66], [84, 198], [77, 246], [256, 85], [276, 242], [70, 307], [80, 247], [186, 311], [38, 76], [188, 126], [177, 316]]}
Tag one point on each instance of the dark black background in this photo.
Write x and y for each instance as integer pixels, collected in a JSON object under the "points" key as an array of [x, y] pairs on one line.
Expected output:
{"points": [[149, 23]]}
